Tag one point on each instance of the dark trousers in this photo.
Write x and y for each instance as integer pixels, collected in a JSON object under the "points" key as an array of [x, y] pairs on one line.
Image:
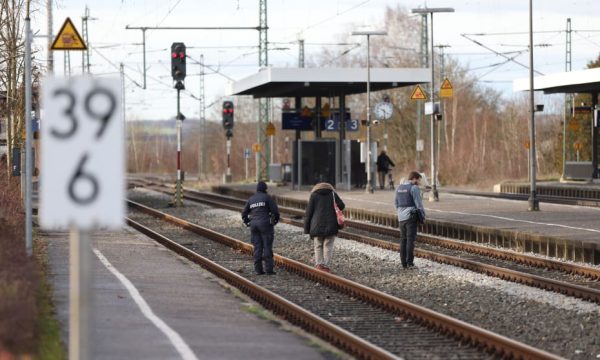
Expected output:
{"points": [[408, 236], [382, 175], [262, 240]]}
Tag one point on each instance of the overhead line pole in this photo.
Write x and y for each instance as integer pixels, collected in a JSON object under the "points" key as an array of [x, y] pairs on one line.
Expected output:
{"points": [[568, 97], [50, 37], [144, 28], [262, 158], [423, 60], [202, 162], [434, 192], [534, 204], [28, 138]]}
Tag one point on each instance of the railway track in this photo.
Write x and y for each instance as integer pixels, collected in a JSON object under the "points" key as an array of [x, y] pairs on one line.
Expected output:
{"points": [[365, 322], [561, 277]]}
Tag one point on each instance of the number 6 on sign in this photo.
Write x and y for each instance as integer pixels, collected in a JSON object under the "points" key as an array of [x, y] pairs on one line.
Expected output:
{"points": [[82, 154]]}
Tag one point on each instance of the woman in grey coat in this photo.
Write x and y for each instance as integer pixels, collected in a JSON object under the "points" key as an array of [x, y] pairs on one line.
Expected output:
{"points": [[320, 222]]}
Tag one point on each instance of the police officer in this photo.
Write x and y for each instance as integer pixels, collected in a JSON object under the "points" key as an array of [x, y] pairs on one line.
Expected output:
{"points": [[261, 214], [408, 203]]}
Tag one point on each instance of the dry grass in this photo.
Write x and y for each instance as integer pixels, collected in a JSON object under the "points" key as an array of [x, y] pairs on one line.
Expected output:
{"points": [[18, 274]]}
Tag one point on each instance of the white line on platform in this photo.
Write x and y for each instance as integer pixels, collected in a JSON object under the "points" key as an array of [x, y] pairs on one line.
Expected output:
{"points": [[180, 345]]}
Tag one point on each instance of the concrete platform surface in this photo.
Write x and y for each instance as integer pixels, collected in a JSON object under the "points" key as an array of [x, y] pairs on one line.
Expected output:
{"points": [[208, 319], [576, 223]]}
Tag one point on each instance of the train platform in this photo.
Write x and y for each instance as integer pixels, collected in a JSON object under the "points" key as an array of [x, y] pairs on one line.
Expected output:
{"points": [[570, 189], [168, 307], [565, 231]]}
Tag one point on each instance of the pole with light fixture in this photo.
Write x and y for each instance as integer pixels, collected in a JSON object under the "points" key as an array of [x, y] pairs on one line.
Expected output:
{"points": [[368, 34], [434, 192], [533, 202]]}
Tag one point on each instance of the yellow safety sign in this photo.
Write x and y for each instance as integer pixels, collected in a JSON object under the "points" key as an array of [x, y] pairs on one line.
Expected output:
{"points": [[270, 129], [527, 144], [68, 38], [446, 89], [418, 94], [256, 148]]}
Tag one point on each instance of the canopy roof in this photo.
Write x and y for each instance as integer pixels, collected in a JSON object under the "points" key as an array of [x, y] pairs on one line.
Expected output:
{"points": [[581, 81], [309, 82]]}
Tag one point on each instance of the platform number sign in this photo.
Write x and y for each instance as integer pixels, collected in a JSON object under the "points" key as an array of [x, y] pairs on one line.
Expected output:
{"points": [[82, 154]]}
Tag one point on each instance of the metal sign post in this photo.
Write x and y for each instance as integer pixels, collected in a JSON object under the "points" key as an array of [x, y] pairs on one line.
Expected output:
{"points": [[82, 188], [28, 142], [246, 157], [80, 297], [228, 173], [177, 200]]}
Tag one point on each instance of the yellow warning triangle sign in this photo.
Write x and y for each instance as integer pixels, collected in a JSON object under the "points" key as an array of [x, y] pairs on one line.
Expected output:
{"points": [[418, 94], [446, 84], [68, 38], [446, 90]]}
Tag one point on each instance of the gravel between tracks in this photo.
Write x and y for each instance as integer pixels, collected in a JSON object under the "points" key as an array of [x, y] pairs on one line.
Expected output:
{"points": [[553, 322]]}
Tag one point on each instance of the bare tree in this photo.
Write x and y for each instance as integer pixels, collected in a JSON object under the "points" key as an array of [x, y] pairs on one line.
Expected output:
{"points": [[11, 71]]}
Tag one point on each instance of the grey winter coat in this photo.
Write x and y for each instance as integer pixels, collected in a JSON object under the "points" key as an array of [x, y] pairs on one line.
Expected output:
{"points": [[319, 218]]}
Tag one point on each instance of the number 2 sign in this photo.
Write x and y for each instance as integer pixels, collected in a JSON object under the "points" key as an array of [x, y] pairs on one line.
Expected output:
{"points": [[82, 154]]}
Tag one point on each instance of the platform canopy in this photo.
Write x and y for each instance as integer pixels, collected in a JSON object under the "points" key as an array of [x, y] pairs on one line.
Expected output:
{"points": [[309, 82], [581, 81]]}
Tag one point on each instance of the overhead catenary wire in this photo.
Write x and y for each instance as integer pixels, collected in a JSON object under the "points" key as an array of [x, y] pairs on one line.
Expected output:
{"points": [[498, 53]]}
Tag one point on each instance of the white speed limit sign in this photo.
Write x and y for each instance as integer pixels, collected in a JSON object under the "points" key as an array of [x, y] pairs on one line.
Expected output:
{"points": [[82, 153]]}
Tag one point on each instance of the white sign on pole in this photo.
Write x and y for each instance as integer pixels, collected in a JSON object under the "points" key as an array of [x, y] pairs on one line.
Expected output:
{"points": [[82, 182], [420, 145]]}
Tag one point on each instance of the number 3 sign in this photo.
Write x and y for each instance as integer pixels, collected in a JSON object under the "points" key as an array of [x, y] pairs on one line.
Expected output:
{"points": [[82, 154]]}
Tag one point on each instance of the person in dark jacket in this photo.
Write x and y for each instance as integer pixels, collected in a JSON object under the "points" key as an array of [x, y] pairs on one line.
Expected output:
{"points": [[383, 167], [261, 214], [320, 222], [408, 202]]}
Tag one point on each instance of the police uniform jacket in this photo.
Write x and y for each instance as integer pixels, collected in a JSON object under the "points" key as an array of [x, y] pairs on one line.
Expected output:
{"points": [[260, 210], [320, 219]]}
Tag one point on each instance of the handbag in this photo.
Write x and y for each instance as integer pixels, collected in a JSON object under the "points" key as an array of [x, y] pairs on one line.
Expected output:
{"points": [[338, 213]]}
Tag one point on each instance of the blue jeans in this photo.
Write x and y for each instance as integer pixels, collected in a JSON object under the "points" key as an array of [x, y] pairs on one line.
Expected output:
{"points": [[408, 236], [262, 240]]}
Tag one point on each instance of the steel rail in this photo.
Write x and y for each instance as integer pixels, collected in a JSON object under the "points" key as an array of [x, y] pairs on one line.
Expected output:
{"points": [[577, 291], [562, 287], [569, 268], [476, 336], [295, 314]]}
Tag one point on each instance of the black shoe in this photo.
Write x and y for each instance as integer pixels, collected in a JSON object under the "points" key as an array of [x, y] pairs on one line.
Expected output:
{"points": [[271, 273], [259, 272], [404, 267]]}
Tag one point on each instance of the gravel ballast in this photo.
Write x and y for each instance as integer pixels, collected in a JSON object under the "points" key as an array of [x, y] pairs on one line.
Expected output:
{"points": [[556, 323]]}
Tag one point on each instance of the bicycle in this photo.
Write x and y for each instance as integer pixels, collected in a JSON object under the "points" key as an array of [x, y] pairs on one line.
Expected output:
{"points": [[391, 181]]}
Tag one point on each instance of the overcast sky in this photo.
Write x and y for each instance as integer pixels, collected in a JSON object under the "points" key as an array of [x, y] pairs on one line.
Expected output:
{"points": [[235, 53]]}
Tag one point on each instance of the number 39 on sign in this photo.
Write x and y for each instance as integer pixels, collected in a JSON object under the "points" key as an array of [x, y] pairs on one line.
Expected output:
{"points": [[82, 154]]}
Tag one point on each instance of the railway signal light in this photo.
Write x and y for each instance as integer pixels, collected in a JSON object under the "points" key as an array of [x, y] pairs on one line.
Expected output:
{"points": [[178, 61], [228, 116]]}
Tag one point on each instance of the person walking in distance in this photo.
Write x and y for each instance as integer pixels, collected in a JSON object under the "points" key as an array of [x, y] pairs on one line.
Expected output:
{"points": [[383, 167], [261, 214], [320, 222], [408, 203]]}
